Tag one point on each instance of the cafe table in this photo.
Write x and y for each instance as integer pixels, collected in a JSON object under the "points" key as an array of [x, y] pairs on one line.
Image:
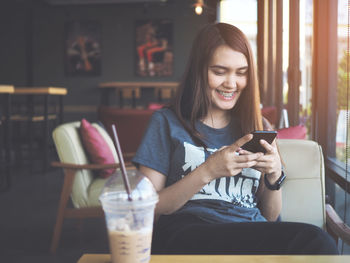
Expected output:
{"points": [[31, 93], [131, 89], [46, 92], [106, 258]]}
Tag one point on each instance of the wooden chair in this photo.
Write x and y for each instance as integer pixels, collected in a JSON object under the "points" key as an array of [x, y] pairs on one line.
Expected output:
{"points": [[80, 184]]}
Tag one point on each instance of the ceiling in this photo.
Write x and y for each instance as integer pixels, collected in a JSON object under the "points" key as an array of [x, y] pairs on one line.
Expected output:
{"points": [[86, 2]]}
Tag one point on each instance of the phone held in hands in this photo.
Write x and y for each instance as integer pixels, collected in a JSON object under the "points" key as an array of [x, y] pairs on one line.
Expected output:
{"points": [[254, 144]]}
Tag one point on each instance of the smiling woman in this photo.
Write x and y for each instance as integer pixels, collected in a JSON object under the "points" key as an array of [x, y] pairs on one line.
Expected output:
{"points": [[215, 197]]}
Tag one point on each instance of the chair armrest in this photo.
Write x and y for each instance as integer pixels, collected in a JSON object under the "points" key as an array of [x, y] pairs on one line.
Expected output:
{"points": [[129, 154], [84, 166], [336, 224]]}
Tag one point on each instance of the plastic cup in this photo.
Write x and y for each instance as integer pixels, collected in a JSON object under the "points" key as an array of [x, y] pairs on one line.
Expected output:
{"points": [[129, 223]]}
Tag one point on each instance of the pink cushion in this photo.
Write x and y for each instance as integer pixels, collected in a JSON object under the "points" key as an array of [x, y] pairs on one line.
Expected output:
{"points": [[294, 132], [155, 106], [96, 147]]}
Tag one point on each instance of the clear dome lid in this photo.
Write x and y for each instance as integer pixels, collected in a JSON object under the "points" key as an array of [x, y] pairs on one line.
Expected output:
{"points": [[141, 190]]}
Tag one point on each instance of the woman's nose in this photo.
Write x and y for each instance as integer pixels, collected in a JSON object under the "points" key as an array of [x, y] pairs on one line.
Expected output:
{"points": [[230, 82]]}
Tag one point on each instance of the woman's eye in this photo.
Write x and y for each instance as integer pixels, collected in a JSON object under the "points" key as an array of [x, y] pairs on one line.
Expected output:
{"points": [[219, 73], [242, 73]]}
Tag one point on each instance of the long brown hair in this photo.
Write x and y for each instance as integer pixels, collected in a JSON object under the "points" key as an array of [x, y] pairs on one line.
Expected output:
{"points": [[192, 99]]}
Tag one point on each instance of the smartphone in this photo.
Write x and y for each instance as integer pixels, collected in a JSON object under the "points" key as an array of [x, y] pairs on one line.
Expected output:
{"points": [[254, 144]]}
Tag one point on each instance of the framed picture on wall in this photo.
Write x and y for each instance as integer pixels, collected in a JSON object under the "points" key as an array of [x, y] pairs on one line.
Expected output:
{"points": [[154, 47], [82, 48]]}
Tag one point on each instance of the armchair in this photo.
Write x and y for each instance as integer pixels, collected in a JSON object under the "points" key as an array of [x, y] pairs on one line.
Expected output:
{"points": [[303, 194], [80, 184]]}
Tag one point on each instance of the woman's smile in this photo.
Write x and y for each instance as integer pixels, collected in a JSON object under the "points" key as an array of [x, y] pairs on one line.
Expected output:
{"points": [[225, 95]]}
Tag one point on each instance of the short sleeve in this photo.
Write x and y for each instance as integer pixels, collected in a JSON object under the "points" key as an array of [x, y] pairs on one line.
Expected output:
{"points": [[154, 150]]}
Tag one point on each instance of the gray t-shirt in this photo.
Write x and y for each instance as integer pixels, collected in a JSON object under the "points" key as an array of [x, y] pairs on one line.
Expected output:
{"points": [[169, 149]]}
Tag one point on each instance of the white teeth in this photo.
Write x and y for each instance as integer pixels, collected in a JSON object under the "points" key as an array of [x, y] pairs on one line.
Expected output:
{"points": [[226, 94]]}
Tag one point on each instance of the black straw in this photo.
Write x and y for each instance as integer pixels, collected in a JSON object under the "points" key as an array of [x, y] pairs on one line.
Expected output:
{"points": [[122, 164]]}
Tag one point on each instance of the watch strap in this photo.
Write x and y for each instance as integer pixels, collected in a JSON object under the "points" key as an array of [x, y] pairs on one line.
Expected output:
{"points": [[277, 185]]}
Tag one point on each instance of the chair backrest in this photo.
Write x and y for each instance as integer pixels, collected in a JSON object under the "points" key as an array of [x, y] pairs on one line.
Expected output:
{"points": [[270, 113], [303, 194], [130, 123], [70, 150]]}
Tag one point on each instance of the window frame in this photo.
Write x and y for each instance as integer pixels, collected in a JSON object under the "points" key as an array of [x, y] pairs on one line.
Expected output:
{"points": [[325, 77], [270, 54]]}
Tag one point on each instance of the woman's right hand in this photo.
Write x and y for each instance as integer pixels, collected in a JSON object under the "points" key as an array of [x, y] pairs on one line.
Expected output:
{"points": [[227, 162]]}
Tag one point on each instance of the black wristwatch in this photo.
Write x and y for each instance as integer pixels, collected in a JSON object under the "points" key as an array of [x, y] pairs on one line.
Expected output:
{"points": [[277, 185]]}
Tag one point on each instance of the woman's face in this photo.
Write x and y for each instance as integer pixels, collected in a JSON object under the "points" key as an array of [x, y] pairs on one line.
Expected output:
{"points": [[227, 77]]}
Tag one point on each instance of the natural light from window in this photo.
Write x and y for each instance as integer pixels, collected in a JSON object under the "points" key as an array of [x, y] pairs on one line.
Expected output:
{"points": [[306, 25], [342, 80], [242, 14]]}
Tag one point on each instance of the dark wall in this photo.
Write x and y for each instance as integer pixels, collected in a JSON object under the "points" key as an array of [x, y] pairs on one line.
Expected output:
{"points": [[13, 51], [32, 46]]}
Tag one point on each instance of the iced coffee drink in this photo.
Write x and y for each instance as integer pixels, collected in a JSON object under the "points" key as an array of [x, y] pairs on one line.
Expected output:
{"points": [[129, 223], [130, 246]]}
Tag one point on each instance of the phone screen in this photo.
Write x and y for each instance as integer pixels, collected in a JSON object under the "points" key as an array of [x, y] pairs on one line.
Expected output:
{"points": [[254, 144]]}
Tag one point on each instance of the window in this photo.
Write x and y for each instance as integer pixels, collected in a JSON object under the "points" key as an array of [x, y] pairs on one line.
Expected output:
{"points": [[242, 14], [330, 89], [341, 128], [285, 48], [342, 105], [306, 31]]}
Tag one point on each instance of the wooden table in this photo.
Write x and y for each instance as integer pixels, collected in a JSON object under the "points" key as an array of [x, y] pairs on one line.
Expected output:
{"points": [[5, 139], [131, 90], [30, 116], [41, 90], [46, 92], [105, 258], [7, 88]]}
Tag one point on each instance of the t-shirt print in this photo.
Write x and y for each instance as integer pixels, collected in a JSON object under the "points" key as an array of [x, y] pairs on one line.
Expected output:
{"points": [[239, 190]]}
